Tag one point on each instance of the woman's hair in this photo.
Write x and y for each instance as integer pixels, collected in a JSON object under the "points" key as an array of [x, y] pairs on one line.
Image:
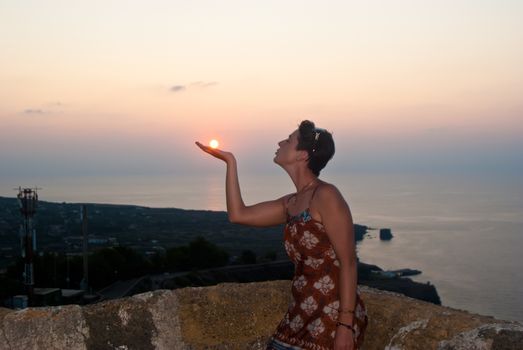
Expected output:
{"points": [[318, 143]]}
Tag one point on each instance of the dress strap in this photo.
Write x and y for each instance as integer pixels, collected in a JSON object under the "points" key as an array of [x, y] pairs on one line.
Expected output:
{"points": [[294, 195], [313, 193], [287, 203]]}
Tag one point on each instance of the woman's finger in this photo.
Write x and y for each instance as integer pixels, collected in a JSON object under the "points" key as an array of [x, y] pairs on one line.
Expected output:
{"points": [[215, 152], [204, 148]]}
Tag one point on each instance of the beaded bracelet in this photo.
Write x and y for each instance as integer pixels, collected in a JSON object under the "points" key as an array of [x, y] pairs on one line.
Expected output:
{"points": [[338, 323], [345, 311]]}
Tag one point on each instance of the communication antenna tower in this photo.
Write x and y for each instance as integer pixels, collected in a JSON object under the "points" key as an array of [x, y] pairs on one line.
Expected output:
{"points": [[28, 201], [84, 284]]}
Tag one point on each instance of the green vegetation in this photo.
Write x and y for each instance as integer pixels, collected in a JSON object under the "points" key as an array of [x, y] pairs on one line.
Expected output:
{"points": [[199, 254], [247, 257], [111, 264], [128, 242]]}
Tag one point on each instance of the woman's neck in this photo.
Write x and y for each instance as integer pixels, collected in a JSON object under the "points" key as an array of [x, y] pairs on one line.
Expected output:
{"points": [[303, 180]]}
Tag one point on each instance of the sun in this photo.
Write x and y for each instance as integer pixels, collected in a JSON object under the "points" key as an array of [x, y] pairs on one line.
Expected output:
{"points": [[214, 144]]}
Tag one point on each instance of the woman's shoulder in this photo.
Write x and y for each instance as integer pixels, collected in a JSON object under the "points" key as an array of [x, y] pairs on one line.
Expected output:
{"points": [[286, 198], [327, 190], [326, 197]]}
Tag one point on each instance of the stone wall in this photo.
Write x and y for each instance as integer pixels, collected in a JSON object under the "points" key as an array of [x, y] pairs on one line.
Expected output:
{"points": [[241, 316]]}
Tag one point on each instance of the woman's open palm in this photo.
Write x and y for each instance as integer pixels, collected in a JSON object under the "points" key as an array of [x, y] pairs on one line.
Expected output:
{"points": [[215, 152]]}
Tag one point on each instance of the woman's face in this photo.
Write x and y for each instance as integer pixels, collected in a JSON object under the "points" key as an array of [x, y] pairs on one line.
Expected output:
{"points": [[287, 152]]}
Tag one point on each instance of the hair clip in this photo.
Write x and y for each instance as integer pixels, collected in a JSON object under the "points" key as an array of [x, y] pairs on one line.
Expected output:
{"points": [[317, 132]]}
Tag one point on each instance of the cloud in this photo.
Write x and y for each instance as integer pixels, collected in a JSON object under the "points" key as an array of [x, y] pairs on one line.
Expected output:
{"points": [[192, 86], [177, 88], [203, 84], [47, 108], [55, 104], [33, 111]]}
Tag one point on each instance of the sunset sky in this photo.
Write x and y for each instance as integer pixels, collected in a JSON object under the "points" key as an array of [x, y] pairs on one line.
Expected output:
{"points": [[126, 87]]}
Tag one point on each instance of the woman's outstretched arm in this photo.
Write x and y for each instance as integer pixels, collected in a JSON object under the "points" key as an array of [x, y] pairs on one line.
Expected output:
{"points": [[269, 213]]}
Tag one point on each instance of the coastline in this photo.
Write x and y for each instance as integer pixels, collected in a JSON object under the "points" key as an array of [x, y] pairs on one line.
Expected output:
{"points": [[148, 230]]}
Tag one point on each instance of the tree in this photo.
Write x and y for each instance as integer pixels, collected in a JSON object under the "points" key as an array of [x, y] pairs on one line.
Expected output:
{"points": [[199, 254], [247, 257]]}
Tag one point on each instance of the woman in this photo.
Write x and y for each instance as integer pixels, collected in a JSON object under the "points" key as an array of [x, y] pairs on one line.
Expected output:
{"points": [[326, 311]]}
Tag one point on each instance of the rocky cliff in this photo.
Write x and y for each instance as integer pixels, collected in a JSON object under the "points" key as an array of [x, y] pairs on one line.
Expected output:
{"points": [[241, 316]]}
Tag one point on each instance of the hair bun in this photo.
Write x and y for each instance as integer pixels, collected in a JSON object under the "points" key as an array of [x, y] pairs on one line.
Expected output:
{"points": [[318, 143]]}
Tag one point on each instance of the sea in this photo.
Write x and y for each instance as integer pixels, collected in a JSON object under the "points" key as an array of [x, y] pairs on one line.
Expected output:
{"points": [[463, 231]]}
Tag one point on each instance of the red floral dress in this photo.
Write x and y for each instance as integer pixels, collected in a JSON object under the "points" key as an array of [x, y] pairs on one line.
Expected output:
{"points": [[310, 321]]}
